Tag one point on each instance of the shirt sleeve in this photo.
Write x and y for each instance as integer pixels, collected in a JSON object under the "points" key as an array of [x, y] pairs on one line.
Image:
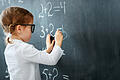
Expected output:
{"points": [[30, 53]]}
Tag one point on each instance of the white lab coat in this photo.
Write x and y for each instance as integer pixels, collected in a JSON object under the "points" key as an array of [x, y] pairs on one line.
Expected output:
{"points": [[23, 60]]}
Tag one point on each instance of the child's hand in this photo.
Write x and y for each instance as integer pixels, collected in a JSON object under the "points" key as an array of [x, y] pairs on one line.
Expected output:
{"points": [[58, 38], [49, 44]]}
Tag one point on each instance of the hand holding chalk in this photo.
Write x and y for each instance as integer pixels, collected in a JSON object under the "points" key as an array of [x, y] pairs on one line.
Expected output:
{"points": [[58, 38]]}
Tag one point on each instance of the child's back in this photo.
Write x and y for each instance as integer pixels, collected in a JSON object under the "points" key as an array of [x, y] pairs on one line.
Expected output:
{"points": [[23, 60]]}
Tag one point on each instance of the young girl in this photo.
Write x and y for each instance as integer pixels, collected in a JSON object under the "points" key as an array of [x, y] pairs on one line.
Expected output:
{"points": [[23, 59]]}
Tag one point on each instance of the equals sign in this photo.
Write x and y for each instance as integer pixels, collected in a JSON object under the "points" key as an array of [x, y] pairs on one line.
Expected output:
{"points": [[57, 8]]}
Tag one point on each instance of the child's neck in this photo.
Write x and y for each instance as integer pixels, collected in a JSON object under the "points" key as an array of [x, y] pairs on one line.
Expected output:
{"points": [[16, 37]]}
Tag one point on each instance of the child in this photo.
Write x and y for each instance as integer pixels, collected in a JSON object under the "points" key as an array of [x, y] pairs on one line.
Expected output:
{"points": [[23, 59]]}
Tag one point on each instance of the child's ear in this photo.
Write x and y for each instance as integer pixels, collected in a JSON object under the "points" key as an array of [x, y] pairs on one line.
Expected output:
{"points": [[18, 29]]}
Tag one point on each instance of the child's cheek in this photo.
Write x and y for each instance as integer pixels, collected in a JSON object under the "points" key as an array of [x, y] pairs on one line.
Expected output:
{"points": [[30, 35]]}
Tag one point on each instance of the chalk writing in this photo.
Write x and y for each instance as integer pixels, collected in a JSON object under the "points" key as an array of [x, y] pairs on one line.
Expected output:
{"points": [[7, 74], [10, 1], [50, 10], [52, 75]]}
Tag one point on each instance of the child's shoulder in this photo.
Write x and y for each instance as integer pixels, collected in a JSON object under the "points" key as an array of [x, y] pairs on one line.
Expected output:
{"points": [[25, 47], [19, 44], [22, 44]]}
